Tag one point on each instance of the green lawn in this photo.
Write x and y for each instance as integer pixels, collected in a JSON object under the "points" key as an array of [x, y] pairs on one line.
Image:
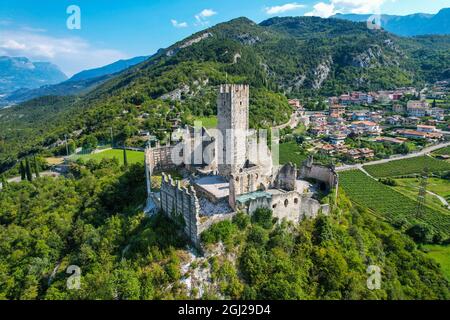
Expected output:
{"points": [[407, 167], [301, 129], [132, 156], [442, 152], [430, 101], [208, 122], [290, 152], [441, 187], [441, 254]]}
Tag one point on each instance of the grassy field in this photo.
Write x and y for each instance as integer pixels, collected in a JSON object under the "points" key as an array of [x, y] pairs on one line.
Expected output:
{"points": [[208, 122], [442, 152], [441, 187], [290, 152], [132, 156], [441, 254], [301, 129], [407, 167], [389, 203], [157, 179]]}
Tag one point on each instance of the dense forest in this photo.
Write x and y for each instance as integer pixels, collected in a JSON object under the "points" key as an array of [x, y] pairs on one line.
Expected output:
{"points": [[93, 219]]}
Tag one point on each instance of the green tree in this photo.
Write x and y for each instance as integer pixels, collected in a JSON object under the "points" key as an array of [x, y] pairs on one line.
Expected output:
{"points": [[90, 142], [4, 182], [36, 167], [125, 160], [28, 172], [22, 171]]}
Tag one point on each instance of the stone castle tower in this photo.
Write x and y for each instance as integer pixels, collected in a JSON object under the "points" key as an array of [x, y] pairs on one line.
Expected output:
{"points": [[233, 117]]}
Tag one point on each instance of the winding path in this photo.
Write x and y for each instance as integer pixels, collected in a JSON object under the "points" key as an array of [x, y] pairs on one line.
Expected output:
{"points": [[442, 199]]}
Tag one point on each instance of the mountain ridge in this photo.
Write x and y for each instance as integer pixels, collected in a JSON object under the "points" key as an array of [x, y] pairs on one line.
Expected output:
{"points": [[20, 72], [409, 25], [79, 83]]}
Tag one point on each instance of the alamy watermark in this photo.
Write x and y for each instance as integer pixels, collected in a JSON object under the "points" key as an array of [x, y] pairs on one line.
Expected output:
{"points": [[374, 279], [74, 281], [227, 147], [73, 22]]}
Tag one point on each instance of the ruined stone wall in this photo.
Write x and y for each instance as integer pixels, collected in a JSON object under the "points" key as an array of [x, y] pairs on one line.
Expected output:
{"points": [[233, 114], [320, 173], [286, 177], [201, 148], [291, 206], [179, 202], [159, 158], [246, 181], [310, 207], [287, 206]]}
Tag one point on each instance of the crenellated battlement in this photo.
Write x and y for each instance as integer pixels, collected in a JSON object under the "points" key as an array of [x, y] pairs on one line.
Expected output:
{"points": [[234, 88]]}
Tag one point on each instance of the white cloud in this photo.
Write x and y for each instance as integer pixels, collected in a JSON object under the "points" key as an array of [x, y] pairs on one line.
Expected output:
{"points": [[11, 44], [177, 24], [202, 17], [322, 10], [283, 8], [71, 54], [326, 10], [358, 6]]}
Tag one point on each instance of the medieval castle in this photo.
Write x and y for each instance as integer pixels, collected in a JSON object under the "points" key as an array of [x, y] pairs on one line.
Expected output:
{"points": [[227, 171]]}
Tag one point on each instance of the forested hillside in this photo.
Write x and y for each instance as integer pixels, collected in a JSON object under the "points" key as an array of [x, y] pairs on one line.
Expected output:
{"points": [[293, 57], [93, 220]]}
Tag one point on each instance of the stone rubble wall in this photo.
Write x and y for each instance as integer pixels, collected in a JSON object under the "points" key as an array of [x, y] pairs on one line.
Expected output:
{"points": [[179, 202], [320, 173]]}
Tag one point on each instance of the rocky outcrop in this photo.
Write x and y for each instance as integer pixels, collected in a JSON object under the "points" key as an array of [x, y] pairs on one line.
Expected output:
{"points": [[176, 95], [189, 43], [248, 39], [321, 73]]}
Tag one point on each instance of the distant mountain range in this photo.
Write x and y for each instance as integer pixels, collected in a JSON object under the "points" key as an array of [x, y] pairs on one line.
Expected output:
{"points": [[19, 72], [410, 25], [81, 82], [108, 69]]}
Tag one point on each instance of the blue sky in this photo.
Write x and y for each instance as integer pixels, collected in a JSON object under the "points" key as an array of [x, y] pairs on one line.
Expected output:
{"points": [[116, 29]]}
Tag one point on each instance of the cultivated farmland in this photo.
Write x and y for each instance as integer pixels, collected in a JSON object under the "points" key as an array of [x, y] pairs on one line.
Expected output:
{"points": [[390, 204], [407, 167]]}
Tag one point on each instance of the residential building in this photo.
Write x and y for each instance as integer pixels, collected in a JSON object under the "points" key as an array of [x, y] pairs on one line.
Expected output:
{"points": [[338, 138], [365, 127], [366, 153], [398, 108], [359, 116], [424, 128], [414, 134], [395, 120], [294, 103], [417, 108], [337, 109], [391, 140], [318, 119]]}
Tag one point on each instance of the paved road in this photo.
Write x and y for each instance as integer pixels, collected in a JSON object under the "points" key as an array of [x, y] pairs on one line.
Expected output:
{"points": [[423, 152], [442, 199], [42, 174], [292, 123]]}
